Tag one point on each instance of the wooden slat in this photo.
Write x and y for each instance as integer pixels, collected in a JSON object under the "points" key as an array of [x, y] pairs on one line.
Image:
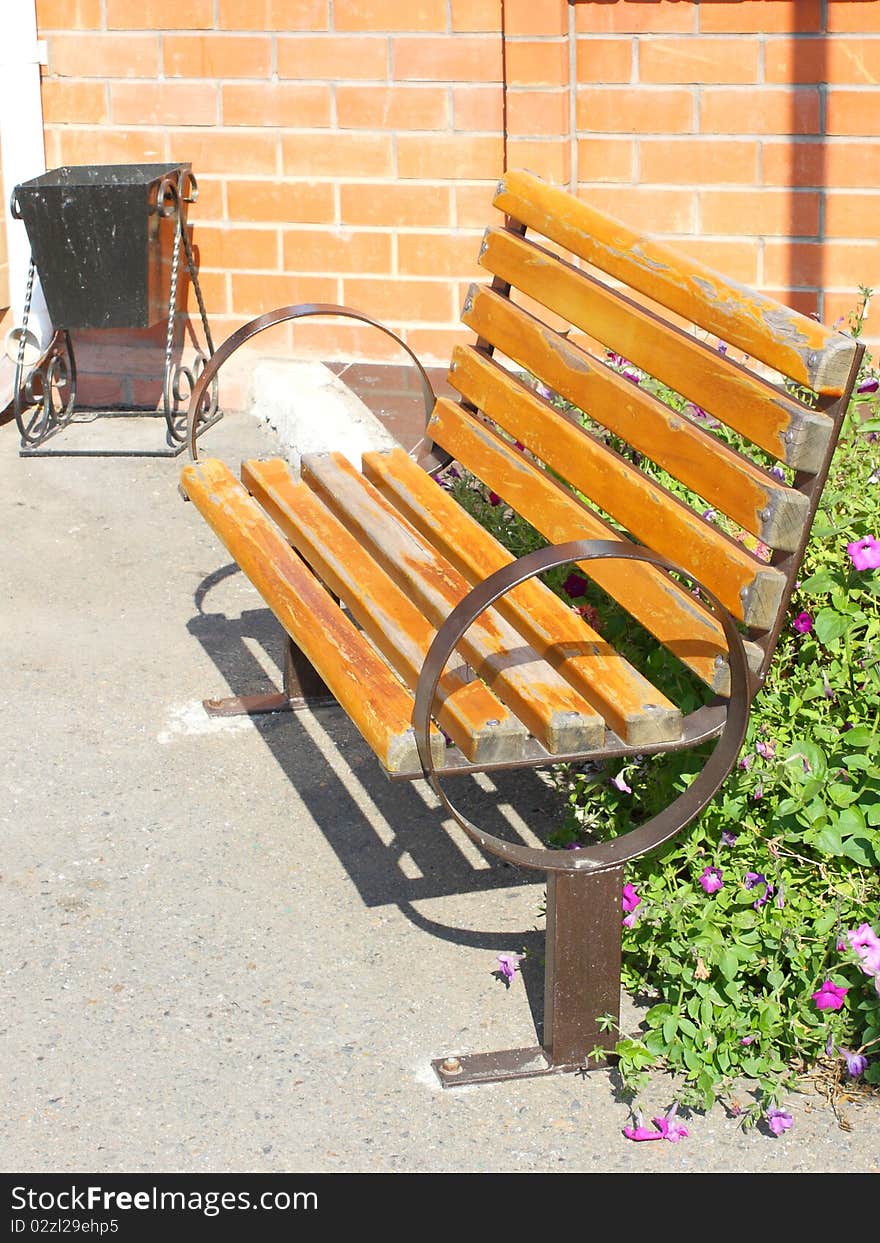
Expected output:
{"points": [[558, 717], [793, 344], [761, 504], [379, 705], [767, 416], [751, 590], [472, 716], [665, 608], [636, 711]]}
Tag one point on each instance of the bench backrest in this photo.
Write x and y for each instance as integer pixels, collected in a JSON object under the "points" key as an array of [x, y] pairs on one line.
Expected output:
{"points": [[590, 313]]}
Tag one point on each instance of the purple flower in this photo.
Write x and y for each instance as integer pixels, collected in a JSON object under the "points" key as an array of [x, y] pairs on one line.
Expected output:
{"points": [[574, 585], [509, 964], [494, 498], [777, 472], [758, 792], [748, 1039], [803, 623], [629, 898], [745, 761], [709, 514], [870, 385], [728, 838], [620, 782], [855, 1062], [778, 1120], [712, 880], [830, 996], [865, 553], [543, 391], [765, 749], [866, 943], [752, 879]]}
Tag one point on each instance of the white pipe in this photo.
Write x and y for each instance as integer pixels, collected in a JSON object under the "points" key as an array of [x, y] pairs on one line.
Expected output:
{"points": [[24, 157]]}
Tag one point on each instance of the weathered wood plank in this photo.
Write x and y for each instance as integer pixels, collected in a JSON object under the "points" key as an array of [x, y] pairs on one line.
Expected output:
{"points": [[473, 717], [377, 703], [634, 708], [750, 589], [556, 714], [764, 414], [793, 344], [764, 506]]}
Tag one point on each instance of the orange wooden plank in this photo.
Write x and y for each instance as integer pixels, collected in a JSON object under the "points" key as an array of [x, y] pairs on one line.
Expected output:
{"points": [[557, 715], [751, 590], [468, 711], [793, 344], [379, 705], [764, 414], [634, 708], [727, 481]]}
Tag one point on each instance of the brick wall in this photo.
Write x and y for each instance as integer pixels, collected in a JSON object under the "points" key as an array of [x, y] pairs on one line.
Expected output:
{"points": [[346, 149]]}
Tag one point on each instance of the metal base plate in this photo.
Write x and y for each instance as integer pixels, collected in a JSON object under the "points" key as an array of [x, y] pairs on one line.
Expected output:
{"points": [[467, 1068], [76, 438], [254, 705]]}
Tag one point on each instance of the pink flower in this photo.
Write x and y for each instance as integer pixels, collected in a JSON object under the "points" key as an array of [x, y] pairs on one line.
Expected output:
{"points": [[620, 782], [509, 965], [803, 623], [712, 880], [765, 749], [668, 1127], [494, 498], [865, 553], [778, 1120], [830, 996], [866, 943], [630, 899]]}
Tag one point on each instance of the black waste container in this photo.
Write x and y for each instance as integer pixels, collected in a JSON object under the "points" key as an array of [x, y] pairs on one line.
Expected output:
{"points": [[100, 243]]}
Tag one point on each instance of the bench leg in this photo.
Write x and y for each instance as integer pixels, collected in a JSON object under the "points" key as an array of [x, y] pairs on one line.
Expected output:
{"points": [[581, 982], [303, 688]]}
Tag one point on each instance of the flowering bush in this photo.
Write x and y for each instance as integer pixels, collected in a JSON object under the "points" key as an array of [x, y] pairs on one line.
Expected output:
{"points": [[756, 931]]}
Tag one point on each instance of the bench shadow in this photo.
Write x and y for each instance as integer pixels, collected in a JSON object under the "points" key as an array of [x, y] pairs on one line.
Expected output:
{"points": [[392, 839]]}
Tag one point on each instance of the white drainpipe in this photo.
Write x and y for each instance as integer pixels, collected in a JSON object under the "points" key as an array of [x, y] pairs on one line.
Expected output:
{"points": [[24, 157]]}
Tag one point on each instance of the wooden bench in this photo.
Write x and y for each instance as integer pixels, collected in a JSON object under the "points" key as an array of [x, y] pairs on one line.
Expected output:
{"points": [[450, 656]]}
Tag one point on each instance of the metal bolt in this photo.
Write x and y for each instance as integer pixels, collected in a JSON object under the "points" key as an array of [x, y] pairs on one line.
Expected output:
{"points": [[451, 1066]]}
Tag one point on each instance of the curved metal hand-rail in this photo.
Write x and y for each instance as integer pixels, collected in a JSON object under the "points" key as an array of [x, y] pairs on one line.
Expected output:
{"points": [[659, 828], [279, 316]]}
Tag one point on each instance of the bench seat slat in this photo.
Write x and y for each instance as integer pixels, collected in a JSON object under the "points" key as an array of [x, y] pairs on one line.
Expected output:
{"points": [[472, 716], [793, 344], [766, 415], [752, 497], [747, 587], [361, 681], [634, 709], [558, 717]]}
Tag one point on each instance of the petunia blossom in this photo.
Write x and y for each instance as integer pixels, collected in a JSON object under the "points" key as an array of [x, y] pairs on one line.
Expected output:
{"points": [[728, 838], [869, 385], [765, 749], [752, 879], [866, 943], [509, 964], [856, 1063], [668, 1127], [575, 585], [830, 996], [712, 880], [865, 553], [778, 1120], [620, 782], [803, 623], [629, 898]]}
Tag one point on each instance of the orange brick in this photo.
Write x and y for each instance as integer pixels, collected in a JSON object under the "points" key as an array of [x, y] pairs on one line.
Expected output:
{"points": [[337, 154], [819, 263], [394, 205], [372, 15], [606, 159], [69, 15], [804, 300], [110, 146], [234, 247], [735, 259], [525, 17], [760, 212], [793, 163], [852, 16], [288, 202], [852, 112], [434, 346], [273, 15], [449, 156], [340, 340], [103, 56], [644, 207], [538, 113], [472, 206], [765, 110], [432, 254], [392, 107], [217, 56], [209, 205], [534, 62], [392, 299], [698, 161], [549, 158], [636, 17], [474, 16], [759, 17], [450, 58], [341, 250], [841, 61], [605, 61], [286, 104], [477, 108], [75, 103], [855, 164], [699, 60], [852, 215], [163, 103], [647, 110], [256, 294], [344, 56], [219, 151], [159, 15], [214, 285], [837, 307]]}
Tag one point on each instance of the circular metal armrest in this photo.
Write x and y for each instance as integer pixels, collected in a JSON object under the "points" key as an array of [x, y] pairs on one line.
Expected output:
{"points": [[279, 316], [661, 827]]}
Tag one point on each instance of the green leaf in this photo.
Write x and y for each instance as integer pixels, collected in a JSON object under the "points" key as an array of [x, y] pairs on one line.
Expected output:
{"points": [[819, 583], [860, 850], [830, 625], [728, 964]]}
